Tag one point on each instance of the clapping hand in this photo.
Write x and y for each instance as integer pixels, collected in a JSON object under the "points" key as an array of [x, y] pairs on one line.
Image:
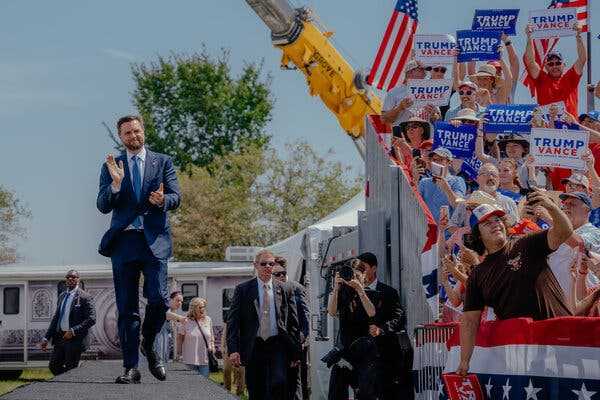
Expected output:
{"points": [[117, 172], [157, 197]]}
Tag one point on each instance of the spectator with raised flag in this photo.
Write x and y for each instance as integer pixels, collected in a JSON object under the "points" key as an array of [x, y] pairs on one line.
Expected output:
{"points": [[550, 81], [514, 278], [443, 188]]}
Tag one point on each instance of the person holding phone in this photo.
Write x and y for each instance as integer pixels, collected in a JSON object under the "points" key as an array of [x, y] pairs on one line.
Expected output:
{"points": [[514, 278], [443, 188]]}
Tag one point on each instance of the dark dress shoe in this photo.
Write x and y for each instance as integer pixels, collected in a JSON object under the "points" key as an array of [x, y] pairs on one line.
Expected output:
{"points": [[155, 365], [131, 375]]}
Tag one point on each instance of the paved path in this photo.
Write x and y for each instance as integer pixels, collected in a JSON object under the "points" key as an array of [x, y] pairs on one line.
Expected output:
{"points": [[94, 380]]}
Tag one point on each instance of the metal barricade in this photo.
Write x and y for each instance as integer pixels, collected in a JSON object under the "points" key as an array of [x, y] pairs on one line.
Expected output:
{"points": [[430, 358]]}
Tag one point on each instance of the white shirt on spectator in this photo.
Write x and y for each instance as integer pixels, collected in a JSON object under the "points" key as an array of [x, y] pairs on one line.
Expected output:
{"points": [[560, 261], [64, 321], [393, 98]]}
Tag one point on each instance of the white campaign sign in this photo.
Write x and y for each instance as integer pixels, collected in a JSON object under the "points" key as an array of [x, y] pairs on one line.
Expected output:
{"points": [[430, 91], [545, 110], [553, 22], [434, 49], [558, 147]]}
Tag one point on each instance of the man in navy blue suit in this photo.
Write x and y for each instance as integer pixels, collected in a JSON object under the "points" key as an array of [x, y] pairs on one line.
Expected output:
{"points": [[139, 187]]}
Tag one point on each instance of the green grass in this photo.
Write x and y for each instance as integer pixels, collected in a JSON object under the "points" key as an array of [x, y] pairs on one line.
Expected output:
{"points": [[28, 376]]}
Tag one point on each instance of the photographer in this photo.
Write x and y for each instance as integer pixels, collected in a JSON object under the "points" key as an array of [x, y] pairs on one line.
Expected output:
{"points": [[350, 303]]}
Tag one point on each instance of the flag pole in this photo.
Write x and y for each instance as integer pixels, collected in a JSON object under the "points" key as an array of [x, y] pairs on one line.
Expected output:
{"points": [[589, 87]]}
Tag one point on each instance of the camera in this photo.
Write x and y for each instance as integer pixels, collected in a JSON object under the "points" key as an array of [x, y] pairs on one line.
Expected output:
{"points": [[346, 272]]}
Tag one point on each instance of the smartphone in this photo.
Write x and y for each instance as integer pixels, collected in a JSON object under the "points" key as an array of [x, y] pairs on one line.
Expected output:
{"points": [[416, 153], [437, 170], [444, 212], [396, 131]]}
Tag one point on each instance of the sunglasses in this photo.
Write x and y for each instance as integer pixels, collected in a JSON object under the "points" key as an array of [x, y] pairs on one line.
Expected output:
{"points": [[439, 69], [279, 274], [72, 277], [264, 264], [554, 63], [465, 92], [469, 122], [413, 126]]}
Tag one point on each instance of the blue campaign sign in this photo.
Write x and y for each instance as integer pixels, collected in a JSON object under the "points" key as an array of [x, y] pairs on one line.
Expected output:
{"points": [[471, 166], [478, 45], [509, 118], [459, 140], [496, 20]]}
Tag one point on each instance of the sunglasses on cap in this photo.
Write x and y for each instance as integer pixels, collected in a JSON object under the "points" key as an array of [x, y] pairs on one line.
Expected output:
{"points": [[438, 69], [554, 63], [465, 92], [264, 264], [279, 274]]}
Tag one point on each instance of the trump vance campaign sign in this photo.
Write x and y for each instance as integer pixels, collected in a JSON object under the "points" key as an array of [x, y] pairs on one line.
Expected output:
{"points": [[478, 45], [430, 91], [558, 147], [459, 140], [435, 49], [553, 22], [496, 20], [509, 118]]}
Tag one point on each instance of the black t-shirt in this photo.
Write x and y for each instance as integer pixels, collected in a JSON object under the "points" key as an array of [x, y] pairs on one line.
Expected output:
{"points": [[517, 282]]}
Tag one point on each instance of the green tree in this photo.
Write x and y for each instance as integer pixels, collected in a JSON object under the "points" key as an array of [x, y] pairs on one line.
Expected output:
{"points": [[195, 110], [217, 209], [12, 215], [300, 189]]}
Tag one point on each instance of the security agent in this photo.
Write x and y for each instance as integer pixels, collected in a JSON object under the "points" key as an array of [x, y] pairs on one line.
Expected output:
{"points": [[68, 330]]}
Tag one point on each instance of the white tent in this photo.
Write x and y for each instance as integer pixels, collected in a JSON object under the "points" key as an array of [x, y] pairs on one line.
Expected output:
{"points": [[293, 247]]}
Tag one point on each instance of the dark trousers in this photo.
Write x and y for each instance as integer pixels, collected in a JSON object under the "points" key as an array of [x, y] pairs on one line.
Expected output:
{"points": [[132, 257], [65, 353], [297, 379], [266, 371], [305, 373], [340, 381]]}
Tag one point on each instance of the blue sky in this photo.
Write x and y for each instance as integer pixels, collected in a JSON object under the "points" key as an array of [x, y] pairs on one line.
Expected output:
{"points": [[65, 68]]}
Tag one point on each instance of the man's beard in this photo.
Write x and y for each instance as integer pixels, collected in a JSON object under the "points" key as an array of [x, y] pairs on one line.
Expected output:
{"points": [[133, 147]]}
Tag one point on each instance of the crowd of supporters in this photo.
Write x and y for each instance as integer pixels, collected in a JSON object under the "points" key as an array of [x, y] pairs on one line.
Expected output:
{"points": [[515, 239]]}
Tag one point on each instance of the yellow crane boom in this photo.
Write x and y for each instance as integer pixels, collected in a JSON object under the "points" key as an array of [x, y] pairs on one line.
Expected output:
{"points": [[328, 75]]}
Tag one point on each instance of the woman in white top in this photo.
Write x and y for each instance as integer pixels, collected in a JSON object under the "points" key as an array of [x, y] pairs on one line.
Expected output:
{"points": [[193, 336]]}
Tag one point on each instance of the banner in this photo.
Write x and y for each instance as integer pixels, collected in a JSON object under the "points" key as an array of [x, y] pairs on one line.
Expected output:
{"points": [[460, 388], [509, 118], [478, 45], [459, 140], [430, 91], [553, 22], [525, 359], [558, 147], [545, 110], [496, 20], [435, 49]]}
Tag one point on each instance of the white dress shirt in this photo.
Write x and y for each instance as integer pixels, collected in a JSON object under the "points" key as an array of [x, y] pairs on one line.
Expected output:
{"points": [[373, 285], [130, 162], [64, 322], [261, 295]]}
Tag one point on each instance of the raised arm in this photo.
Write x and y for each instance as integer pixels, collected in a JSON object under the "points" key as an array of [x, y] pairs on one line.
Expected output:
{"points": [[513, 60], [581, 51], [532, 67], [561, 228], [505, 89]]}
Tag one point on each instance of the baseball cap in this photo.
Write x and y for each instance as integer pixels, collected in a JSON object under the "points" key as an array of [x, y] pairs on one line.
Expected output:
{"points": [[442, 152], [554, 54], [485, 70], [470, 84], [584, 197], [577, 179], [412, 64], [595, 115], [484, 212]]}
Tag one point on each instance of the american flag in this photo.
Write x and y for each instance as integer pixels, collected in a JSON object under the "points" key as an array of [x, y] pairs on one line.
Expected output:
{"points": [[396, 45], [541, 47]]}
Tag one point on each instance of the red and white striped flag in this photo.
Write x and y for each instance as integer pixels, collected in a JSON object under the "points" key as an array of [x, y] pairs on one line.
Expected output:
{"points": [[396, 45], [541, 47]]}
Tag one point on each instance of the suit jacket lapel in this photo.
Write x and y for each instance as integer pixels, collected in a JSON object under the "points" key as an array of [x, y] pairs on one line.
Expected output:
{"points": [[253, 294], [149, 172], [127, 184]]}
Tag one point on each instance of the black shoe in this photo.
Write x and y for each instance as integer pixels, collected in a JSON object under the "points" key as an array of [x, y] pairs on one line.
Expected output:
{"points": [[155, 365], [131, 375]]}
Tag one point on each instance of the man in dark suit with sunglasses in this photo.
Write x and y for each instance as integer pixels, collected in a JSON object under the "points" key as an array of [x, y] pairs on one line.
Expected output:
{"points": [[298, 374], [68, 330], [262, 331]]}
